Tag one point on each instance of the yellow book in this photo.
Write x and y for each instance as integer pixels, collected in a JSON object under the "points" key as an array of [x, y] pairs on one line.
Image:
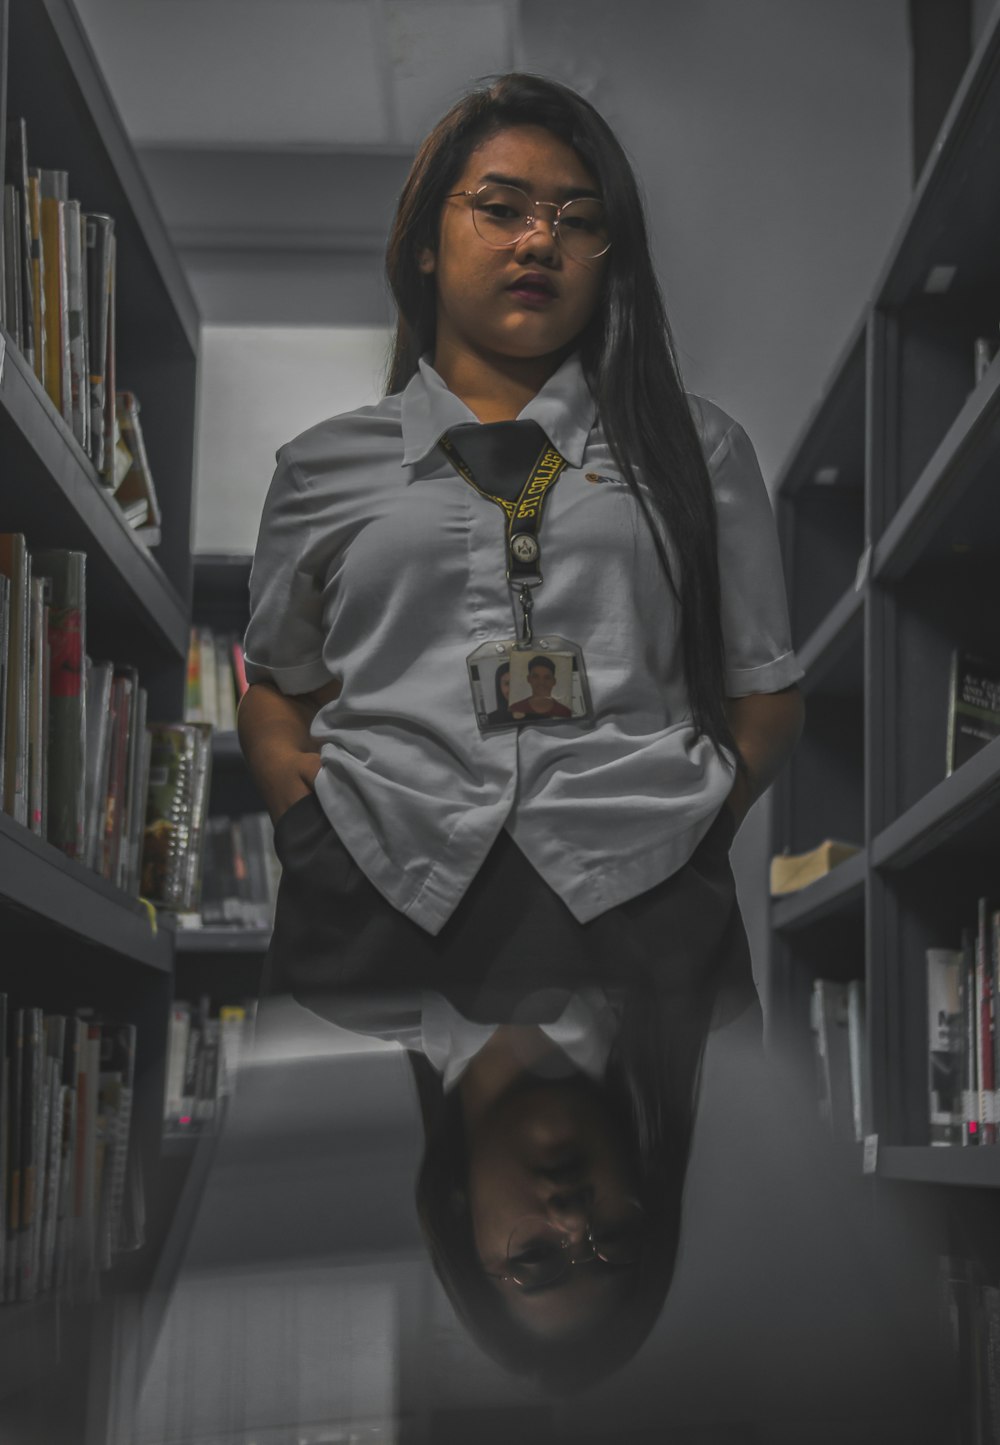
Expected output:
{"points": [[792, 871]]}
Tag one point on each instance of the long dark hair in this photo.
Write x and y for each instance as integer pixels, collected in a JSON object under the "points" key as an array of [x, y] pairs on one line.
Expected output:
{"points": [[650, 1088], [626, 350]]}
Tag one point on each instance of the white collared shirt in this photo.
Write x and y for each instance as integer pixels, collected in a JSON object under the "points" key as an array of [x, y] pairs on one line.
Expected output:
{"points": [[376, 563]]}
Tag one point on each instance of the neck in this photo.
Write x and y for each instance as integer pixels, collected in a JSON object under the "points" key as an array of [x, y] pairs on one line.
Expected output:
{"points": [[511, 1050], [494, 388]]}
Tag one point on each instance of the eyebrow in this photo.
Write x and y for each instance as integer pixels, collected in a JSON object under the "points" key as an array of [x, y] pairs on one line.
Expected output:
{"points": [[566, 193]]}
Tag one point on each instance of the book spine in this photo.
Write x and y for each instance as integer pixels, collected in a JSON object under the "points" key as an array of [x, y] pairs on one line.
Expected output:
{"points": [[37, 740], [15, 564], [121, 702], [37, 273], [193, 709], [109, 422], [67, 741], [57, 369], [98, 757], [78, 381], [944, 1032], [98, 230], [15, 1133], [12, 261], [17, 174], [984, 1027], [970, 1086]]}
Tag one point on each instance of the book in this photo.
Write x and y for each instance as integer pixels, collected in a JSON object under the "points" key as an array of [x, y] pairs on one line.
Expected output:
{"points": [[944, 1035], [38, 690], [856, 1036], [136, 492], [17, 174], [122, 692], [829, 1022], [15, 565], [98, 754], [13, 298], [985, 1024], [970, 1046], [54, 194], [67, 737], [98, 232], [109, 422], [175, 813], [790, 872], [138, 784], [79, 381], [34, 194], [973, 706]]}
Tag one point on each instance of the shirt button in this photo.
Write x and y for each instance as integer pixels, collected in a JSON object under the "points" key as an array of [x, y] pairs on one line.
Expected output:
{"points": [[593, 477]]}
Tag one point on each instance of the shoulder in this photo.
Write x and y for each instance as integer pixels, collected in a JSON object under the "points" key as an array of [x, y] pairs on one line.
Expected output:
{"points": [[718, 432], [365, 437]]}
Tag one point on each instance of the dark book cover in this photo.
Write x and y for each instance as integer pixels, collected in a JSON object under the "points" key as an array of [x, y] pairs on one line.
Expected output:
{"points": [[99, 231], [122, 689], [98, 710], [138, 782], [14, 1130], [38, 743], [973, 706], [17, 174], [54, 195], [12, 263], [15, 564], [34, 219], [31, 1128], [67, 743]]}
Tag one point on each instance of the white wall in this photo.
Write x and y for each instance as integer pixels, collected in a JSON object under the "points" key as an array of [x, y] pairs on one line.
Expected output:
{"points": [[258, 388]]}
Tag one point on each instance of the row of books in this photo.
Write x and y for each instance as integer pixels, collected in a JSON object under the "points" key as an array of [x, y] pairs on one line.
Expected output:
{"points": [[216, 678], [970, 1300], [58, 308], [240, 872], [72, 1191], [963, 986], [204, 1055], [837, 1021], [79, 764], [74, 749]]}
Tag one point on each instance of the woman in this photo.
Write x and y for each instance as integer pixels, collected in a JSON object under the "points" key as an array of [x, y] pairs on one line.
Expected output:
{"points": [[535, 478]]}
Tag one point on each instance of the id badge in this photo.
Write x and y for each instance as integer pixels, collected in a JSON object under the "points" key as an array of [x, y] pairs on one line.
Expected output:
{"points": [[528, 684]]}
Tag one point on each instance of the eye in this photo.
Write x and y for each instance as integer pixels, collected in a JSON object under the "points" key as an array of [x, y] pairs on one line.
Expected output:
{"points": [[497, 211]]}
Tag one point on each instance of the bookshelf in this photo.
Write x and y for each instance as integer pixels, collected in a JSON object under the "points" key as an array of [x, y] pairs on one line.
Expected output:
{"points": [[88, 943], [890, 531]]}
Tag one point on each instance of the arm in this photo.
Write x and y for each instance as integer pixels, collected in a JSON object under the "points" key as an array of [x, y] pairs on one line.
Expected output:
{"points": [[274, 735], [766, 727]]}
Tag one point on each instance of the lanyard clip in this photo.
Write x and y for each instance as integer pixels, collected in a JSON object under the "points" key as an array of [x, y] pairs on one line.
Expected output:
{"points": [[527, 603]]}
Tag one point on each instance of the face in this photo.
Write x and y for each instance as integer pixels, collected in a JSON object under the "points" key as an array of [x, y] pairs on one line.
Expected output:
{"points": [[478, 312], [505, 687], [550, 1151], [542, 681]]}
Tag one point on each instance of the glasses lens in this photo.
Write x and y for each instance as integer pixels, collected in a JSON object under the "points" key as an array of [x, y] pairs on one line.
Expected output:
{"points": [[498, 213], [583, 229], [618, 1233], [537, 1253]]}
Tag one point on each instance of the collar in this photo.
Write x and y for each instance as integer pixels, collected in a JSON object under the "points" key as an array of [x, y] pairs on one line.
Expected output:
{"points": [[564, 409]]}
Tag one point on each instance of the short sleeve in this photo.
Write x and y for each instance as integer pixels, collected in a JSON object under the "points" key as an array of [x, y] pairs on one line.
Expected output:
{"points": [[284, 640], [755, 627]]}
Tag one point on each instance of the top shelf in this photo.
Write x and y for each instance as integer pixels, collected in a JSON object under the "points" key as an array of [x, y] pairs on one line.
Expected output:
{"points": [[958, 182]]}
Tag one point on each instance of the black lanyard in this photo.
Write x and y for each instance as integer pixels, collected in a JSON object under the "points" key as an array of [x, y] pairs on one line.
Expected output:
{"points": [[523, 519]]}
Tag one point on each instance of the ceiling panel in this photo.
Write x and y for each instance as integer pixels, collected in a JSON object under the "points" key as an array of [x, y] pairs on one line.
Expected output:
{"points": [[242, 71], [437, 49]]}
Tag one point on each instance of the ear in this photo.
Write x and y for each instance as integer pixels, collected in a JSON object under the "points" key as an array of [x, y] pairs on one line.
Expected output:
{"points": [[427, 261]]}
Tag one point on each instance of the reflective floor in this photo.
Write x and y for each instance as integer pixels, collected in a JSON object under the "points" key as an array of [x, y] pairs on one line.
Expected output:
{"points": [[549, 1217]]}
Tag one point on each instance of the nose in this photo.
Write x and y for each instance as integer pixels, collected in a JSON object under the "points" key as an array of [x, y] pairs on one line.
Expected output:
{"points": [[571, 1208], [538, 242]]}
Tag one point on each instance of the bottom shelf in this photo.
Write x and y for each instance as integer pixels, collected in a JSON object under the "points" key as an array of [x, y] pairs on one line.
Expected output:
{"points": [[220, 938], [975, 1168]]}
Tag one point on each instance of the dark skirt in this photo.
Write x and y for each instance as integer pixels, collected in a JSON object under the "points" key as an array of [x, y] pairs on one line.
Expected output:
{"points": [[334, 932]]}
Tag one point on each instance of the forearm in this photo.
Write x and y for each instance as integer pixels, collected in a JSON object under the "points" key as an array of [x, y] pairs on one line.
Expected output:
{"points": [[765, 728], [274, 733]]}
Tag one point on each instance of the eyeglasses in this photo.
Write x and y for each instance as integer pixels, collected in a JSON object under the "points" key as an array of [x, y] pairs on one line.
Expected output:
{"points": [[503, 214], [539, 1251]]}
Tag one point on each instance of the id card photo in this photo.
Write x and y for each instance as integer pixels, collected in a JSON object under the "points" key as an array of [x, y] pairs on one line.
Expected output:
{"points": [[521, 686]]}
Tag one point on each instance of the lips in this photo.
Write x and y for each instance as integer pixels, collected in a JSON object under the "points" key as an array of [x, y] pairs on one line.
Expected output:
{"points": [[533, 284]]}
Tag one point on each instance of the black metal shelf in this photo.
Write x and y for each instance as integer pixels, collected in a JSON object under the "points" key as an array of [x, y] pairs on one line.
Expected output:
{"points": [[976, 1168], [40, 881], [837, 892], [957, 183], [945, 513], [833, 435], [834, 649], [955, 805], [50, 491]]}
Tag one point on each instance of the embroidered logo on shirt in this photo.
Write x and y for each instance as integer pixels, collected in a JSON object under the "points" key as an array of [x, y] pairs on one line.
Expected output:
{"points": [[596, 477]]}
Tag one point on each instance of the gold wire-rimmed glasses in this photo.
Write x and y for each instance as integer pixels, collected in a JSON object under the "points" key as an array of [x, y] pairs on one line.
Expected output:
{"points": [[503, 214], [540, 1251]]}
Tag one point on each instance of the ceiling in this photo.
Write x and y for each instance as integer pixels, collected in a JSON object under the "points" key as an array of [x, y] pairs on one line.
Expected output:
{"points": [[276, 134]]}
